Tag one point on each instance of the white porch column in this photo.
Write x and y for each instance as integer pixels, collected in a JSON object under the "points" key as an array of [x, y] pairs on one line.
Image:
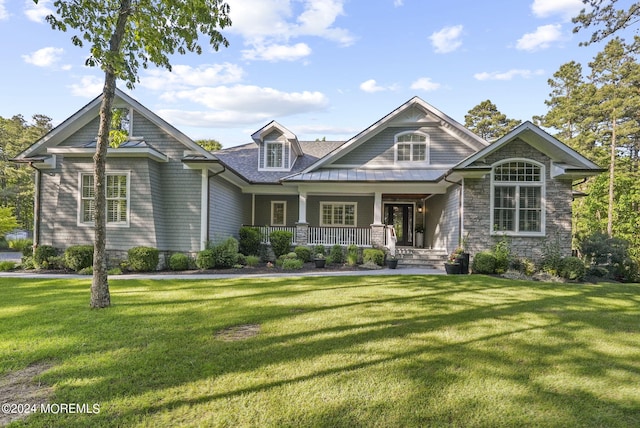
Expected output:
{"points": [[302, 207], [377, 208], [204, 209]]}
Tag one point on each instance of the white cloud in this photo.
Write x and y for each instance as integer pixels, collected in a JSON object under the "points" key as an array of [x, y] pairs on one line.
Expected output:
{"points": [[398, 3], [88, 87], [278, 52], [183, 76], [447, 40], [242, 104], [425, 84], [508, 75], [271, 25], [372, 86], [4, 14], [565, 8], [37, 12], [541, 38], [45, 57]]}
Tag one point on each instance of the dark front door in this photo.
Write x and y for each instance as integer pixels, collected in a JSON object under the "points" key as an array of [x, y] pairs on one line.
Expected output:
{"points": [[401, 217]]}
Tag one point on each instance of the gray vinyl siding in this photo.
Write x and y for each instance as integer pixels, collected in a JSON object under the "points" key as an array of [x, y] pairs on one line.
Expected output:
{"points": [[364, 208], [442, 228], [379, 149], [263, 209], [227, 209], [84, 136]]}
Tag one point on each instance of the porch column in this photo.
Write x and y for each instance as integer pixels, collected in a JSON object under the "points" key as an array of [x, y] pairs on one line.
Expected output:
{"points": [[377, 208], [377, 228], [302, 207], [302, 227]]}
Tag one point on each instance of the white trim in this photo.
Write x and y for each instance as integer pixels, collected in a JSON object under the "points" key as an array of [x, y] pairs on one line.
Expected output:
{"points": [[334, 203], [411, 162], [129, 152], [518, 184], [284, 213], [79, 211], [204, 208], [265, 156]]}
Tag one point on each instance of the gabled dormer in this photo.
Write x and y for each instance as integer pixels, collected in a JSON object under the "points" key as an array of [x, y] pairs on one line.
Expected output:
{"points": [[278, 148]]}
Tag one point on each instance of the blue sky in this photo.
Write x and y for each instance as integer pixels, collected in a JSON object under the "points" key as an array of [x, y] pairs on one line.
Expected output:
{"points": [[322, 68]]}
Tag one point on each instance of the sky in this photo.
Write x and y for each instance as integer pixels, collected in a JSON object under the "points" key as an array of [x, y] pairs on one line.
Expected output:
{"points": [[321, 68]]}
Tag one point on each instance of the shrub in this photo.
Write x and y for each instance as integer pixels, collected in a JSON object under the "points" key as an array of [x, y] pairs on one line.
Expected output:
{"points": [[280, 242], [551, 257], [249, 241], [612, 253], [319, 249], [241, 259], [143, 259], [373, 255], [27, 263], [86, 271], [178, 261], [205, 259], [524, 266], [25, 246], [352, 255], [42, 256], [7, 265], [572, 268], [484, 263], [114, 271], [78, 257], [252, 261], [225, 253], [336, 255], [304, 253], [502, 253], [292, 264]]}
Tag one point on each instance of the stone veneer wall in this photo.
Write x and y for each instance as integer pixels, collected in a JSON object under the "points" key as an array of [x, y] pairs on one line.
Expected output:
{"points": [[477, 206]]}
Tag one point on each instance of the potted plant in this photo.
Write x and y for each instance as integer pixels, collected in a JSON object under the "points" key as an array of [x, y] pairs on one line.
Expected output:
{"points": [[392, 261], [419, 235], [453, 265], [319, 260]]}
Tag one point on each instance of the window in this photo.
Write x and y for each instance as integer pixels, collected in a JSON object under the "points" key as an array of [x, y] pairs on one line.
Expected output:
{"points": [[338, 214], [274, 156], [117, 195], [411, 147], [517, 197], [278, 213]]}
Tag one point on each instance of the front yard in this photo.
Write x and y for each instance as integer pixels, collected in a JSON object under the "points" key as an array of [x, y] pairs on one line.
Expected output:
{"points": [[328, 351]]}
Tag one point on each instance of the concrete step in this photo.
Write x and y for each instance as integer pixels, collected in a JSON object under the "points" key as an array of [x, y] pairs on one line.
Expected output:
{"points": [[421, 257]]}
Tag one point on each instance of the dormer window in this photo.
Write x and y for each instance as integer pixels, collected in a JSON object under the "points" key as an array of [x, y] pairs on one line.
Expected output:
{"points": [[274, 153], [412, 147]]}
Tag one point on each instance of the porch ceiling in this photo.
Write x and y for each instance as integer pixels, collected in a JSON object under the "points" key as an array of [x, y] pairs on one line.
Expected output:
{"points": [[405, 195]]}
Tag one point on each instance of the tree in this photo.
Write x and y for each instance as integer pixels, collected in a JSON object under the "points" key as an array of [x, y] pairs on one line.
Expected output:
{"points": [[603, 13], [8, 221], [487, 122], [122, 36], [211, 145]]}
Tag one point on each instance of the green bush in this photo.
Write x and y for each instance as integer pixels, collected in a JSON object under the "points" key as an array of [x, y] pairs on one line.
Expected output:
{"points": [[319, 249], [611, 253], [25, 246], [78, 257], [143, 259], [373, 255], [336, 255], [205, 259], [225, 253], [292, 264], [178, 261], [352, 255], [249, 241], [7, 265], [280, 242], [502, 253], [524, 266], [304, 253], [86, 271], [484, 263], [252, 261], [42, 256], [551, 257], [27, 263], [241, 259], [572, 268]]}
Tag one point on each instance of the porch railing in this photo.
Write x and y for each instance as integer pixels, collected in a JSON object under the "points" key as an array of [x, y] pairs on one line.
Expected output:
{"points": [[265, 231], [360, 236]]}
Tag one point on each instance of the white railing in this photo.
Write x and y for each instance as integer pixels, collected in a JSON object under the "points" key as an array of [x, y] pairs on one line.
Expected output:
{"points": [[265, 231], [360, 236]]}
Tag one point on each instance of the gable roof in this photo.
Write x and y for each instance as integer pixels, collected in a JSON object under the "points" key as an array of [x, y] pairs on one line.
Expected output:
{"points": [[90, 111], [272, 126], [567, 162], [432, 117]]}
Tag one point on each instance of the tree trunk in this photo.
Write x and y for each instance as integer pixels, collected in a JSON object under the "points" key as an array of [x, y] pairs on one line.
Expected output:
{"points": [[100, 297], [611, 180]]}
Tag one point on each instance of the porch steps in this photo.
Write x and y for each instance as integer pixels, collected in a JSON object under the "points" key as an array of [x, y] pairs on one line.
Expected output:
{"points": [[421, 257]]}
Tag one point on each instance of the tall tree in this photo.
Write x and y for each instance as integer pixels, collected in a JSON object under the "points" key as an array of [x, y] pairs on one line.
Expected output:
{"points": [[486, 121], [211, 145], [605, 18], [122, 36]]}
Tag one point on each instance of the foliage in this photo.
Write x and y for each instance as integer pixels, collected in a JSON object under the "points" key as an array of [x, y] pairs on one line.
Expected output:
{"points": [[25, 246], [292, 264], [225, 253], [7, 265], [280, 242], [86, 271], [502, 252], [27, 263], [210, 145], [78, 257], [252, 261], [8, 221], [572, 268], [303, 253], [179, 261], [241, 259], [42, 256], [605, 19], [143, 259], [249, 241], [319, 249], [453, 257], [484, 263], [352, 255], [524, 266], [336, 255], [612, 254], [373, 255], [205, 259], [487, 122], [551, 256]]}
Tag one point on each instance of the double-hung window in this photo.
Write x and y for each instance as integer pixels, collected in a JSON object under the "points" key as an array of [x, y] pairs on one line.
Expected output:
{"points": [[117, 196], [411, 147], [278, 213], [274, 154], [342, 214], [518, 198]]}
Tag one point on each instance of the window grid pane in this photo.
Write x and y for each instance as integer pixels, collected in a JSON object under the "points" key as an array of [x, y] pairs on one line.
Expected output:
{"points": [[419, 152], [116, 198], [404, 152], [274, 155], [277, 216]]}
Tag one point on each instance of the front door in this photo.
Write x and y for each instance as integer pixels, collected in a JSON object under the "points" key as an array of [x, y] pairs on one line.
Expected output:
{"points": [[401, 217]]}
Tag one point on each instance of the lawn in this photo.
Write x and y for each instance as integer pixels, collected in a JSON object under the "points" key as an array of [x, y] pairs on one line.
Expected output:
{"points": [[385, 351]]}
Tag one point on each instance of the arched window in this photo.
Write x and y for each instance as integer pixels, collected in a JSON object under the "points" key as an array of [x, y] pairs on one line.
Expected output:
{"points": [[517, 197], [412, 147]]}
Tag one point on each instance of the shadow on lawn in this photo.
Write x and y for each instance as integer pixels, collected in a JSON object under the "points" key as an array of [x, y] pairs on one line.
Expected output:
{"points": [[451, 330]]}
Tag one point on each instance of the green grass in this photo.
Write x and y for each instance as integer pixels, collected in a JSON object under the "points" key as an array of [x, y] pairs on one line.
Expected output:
{"points": [[383, 351]]}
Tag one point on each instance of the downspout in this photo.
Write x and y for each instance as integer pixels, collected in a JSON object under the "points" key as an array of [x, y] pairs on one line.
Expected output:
{"points": [[36, 207]]}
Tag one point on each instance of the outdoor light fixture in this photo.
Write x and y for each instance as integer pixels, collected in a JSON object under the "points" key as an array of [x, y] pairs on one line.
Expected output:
{"points": [[419, 208]]}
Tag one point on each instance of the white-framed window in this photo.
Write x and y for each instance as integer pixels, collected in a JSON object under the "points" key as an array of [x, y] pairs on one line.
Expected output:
{"points": [[343, 214], [278, 213], [517, 198], [274, 154], [117, 191], [412, 147]]}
